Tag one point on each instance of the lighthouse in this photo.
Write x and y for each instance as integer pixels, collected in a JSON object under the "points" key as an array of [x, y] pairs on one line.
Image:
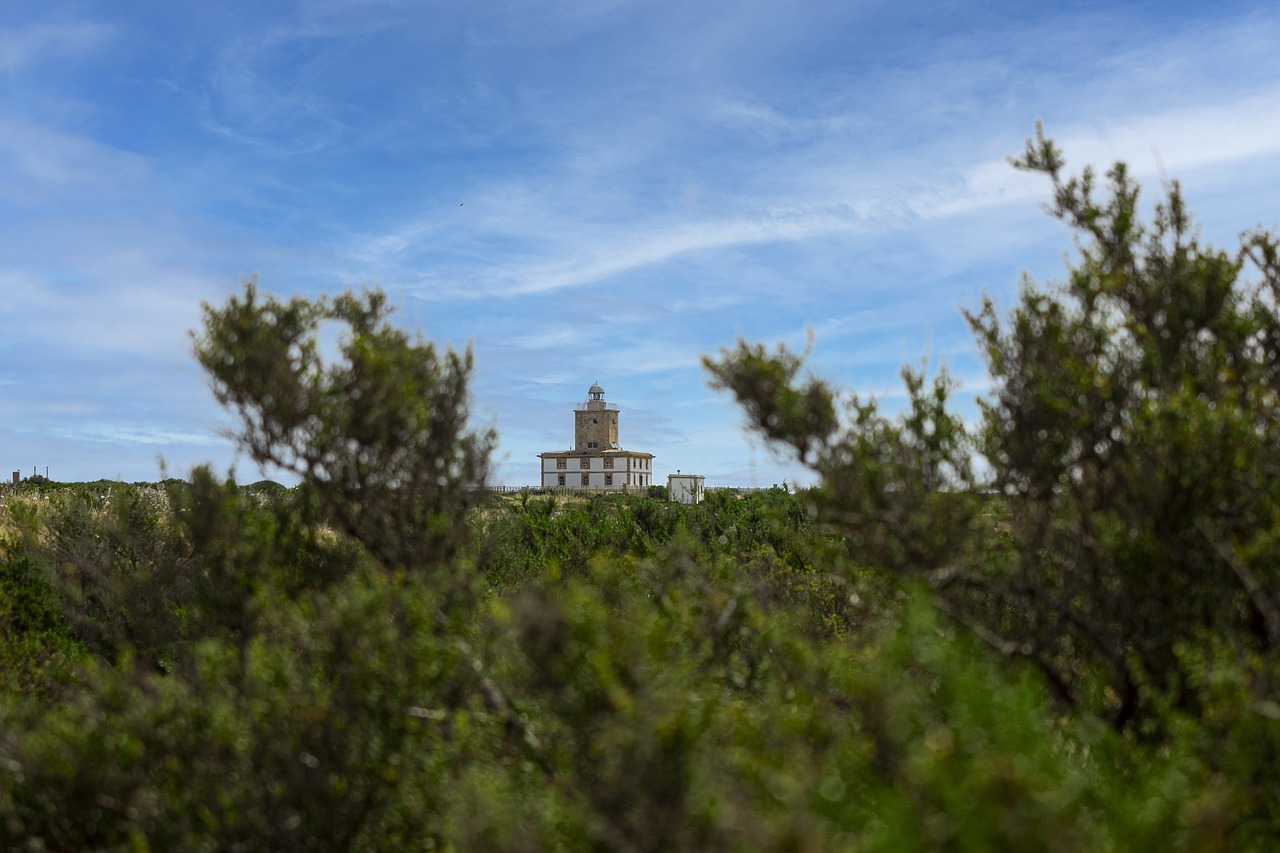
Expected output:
{"points": [[597, 461]]}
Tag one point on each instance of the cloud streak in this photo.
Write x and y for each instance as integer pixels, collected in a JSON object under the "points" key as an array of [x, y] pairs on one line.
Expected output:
{"points": [[23, 47]]}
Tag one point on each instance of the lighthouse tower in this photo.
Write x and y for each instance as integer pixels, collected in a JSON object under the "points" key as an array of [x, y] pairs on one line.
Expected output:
{"points": [[595, 423], [597, 461]]}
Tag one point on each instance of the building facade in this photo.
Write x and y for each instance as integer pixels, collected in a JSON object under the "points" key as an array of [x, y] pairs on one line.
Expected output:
{"points": [[685, 488], [597, 460]]}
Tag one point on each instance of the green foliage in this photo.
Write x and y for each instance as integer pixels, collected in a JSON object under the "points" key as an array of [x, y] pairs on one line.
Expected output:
{"points": [[1130, 441], [380, 433], [768, 533], [36, 644], [1124, 539], [800, 415], [676, 713], [908, 656], [1133, 435], [897, 489], [307, 737], [150, 570], [520, 537]]}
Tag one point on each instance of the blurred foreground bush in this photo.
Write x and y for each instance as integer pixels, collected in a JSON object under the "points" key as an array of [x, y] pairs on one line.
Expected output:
{"points": [[1077, 652]]}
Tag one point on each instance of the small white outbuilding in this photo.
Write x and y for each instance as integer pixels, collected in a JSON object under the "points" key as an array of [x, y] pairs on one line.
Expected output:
{"points": [[685, 488]]}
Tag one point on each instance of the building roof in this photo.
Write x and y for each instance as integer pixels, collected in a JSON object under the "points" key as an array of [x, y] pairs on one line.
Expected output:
{"points": [[597, 451]]}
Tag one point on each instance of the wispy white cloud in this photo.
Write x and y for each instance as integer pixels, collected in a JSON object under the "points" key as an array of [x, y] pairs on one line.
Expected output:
{"points": [[22, 47], [542, 246], [257, 97], [623, 255], [763, 119], [129, 434], [553, 338], [1198, 136], [1168, 142], [37, 161]]}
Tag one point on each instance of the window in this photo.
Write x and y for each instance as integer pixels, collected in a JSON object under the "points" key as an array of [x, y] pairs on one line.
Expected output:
{"points": [[591, 444], [608, 479], [586, 479], [586, 463], [593, 421], [608, 463], [562, 463], [561, 479]]}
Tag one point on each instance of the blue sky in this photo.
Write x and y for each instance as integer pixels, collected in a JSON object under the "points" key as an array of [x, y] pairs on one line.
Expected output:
{"points": [[584, 191]]}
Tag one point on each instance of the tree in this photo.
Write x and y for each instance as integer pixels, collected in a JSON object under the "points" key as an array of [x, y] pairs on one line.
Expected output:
{"points": [[324, 687], [1133, 434], [381, 434], [1132, 442]]}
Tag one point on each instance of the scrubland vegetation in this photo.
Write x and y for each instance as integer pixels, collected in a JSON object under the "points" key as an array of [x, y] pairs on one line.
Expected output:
{"points": [[1073, 646]]}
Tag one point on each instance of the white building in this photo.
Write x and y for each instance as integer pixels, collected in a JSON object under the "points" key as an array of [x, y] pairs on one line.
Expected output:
{"points": [[596, 461], [685, 488]]}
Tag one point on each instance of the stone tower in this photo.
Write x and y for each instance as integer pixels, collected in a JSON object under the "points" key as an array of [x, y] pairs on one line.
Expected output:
{"points": [[595, 424]]}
